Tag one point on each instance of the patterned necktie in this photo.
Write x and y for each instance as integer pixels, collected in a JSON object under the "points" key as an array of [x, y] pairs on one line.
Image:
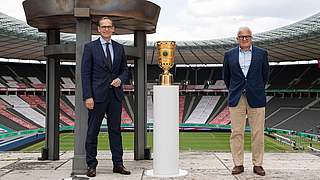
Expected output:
{"points": [[108, 58]]}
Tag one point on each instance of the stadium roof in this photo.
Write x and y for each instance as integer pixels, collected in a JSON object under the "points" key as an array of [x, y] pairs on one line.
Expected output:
{"points": [[298, 41]]}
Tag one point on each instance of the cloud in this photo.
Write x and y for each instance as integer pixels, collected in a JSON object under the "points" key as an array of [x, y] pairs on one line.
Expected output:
{"points": [[196, 23], [185, 20], [217, 27], [272, 8], [13, 8], [211, 19]]}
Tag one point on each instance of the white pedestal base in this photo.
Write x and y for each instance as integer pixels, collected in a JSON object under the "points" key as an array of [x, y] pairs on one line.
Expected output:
{"points": [[166, 132], [181, 173]]}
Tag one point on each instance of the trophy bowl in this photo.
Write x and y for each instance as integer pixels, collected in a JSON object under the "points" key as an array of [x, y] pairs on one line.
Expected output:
{"points": [[166, 51]]}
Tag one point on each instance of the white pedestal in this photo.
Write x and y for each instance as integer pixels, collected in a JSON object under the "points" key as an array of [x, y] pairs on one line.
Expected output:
{"points": [[166, 132]]}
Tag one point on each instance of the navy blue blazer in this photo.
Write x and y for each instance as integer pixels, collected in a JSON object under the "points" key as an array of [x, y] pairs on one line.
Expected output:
{"points": [[254, 84], [96, 76]]}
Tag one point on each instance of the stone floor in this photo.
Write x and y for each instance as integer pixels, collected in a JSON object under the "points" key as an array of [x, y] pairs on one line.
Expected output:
{"points": [[200, 166]]}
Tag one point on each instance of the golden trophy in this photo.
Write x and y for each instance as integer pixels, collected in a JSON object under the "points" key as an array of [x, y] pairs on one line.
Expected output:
{"points": [[165, 57]]}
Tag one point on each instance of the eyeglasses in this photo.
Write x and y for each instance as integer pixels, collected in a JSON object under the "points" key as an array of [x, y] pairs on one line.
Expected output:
{"points": [[244, 37], [106, 27]]}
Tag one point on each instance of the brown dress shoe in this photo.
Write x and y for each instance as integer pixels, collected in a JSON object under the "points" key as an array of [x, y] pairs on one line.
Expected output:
{"points": [[91, 172], [237, 170], [259, 170], [121, 170]]}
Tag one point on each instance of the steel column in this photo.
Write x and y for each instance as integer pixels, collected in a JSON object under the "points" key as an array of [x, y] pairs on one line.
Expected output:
{"points": [[51, 150], [79, 165], [140, 98]]}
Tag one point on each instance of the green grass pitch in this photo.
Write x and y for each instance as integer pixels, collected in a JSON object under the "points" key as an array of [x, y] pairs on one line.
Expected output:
{"points": [[189, 141]]}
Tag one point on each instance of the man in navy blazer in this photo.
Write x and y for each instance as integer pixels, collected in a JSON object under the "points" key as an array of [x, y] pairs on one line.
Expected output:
{"points": [[245, 73], [104, 69]]}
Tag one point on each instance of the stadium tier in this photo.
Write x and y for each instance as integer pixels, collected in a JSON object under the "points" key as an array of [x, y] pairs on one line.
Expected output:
{"points": [[293, 97]]}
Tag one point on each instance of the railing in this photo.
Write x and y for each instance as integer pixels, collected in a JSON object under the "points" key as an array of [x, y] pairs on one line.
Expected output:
{"points": [[292, 90], [6, 128], [290, 132], [285, 140]]}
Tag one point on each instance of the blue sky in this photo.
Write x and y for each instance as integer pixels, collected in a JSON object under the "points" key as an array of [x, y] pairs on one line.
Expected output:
{"points": [[184, 20]]}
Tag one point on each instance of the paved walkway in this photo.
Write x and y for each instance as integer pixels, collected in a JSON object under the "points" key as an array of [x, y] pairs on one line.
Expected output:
{"points": [[200, 166]]}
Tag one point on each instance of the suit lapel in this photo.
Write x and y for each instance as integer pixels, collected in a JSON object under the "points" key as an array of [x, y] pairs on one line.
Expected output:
{"points": [[236, 54], [115, 55], [253, 59]]}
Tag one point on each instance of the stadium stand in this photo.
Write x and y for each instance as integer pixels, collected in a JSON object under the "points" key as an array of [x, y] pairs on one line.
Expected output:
{"points": [[222, 118], [199, 86], [1, 85], [71, 99], [191, 102], [181, 107], [149, 109], [13, 121], [125, 118], [35, 101], [294, 102], [307, 79], [66, 109], [67, 83], [128, 107], [24, 109], [316, 105], [279, 115], [219, 84], [203, 110], [306, 120], [36, 83], [5, 71], [291, 72], [180, 74]]}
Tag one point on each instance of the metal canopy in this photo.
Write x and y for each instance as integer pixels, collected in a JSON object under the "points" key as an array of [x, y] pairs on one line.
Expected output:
{"points": [[298, 41], [127, 16]]}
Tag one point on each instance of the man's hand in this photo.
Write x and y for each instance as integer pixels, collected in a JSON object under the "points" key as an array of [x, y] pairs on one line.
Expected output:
{"points": [[89, 103], [116, 82]]}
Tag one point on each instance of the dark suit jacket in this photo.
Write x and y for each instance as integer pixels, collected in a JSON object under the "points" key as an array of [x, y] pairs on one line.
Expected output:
{"points": [[97, 76], [253, 84]]}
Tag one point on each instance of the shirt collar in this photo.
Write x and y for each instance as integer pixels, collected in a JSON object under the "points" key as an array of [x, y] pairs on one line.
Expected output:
{"points": [[102, 41], [250, 49]]}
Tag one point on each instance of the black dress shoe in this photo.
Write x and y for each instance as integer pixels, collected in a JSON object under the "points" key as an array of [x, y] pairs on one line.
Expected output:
{"points": [[259, 170], [237, 170], [121, 170], [91, 172]]}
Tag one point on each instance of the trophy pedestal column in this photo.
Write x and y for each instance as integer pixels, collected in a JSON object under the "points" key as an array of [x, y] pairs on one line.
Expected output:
{"points": [[166, 132]]}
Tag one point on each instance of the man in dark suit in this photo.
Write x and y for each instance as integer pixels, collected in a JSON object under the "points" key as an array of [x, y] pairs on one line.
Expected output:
{"points": [[245, 73], [103, 71]]}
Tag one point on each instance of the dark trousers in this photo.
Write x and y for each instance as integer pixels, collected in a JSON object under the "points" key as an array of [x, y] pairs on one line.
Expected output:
{"points": [[112, 107]]}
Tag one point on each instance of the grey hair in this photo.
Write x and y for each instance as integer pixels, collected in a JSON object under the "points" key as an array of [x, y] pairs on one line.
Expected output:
{"points": [[244, 28]]}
